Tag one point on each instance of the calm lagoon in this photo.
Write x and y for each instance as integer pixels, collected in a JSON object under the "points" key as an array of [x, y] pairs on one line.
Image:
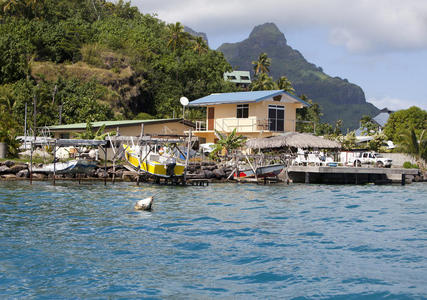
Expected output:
{"points": [[222, 241]]}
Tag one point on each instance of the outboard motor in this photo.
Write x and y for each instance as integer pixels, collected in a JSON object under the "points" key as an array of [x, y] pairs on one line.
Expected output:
{"points": [[170, 167]]}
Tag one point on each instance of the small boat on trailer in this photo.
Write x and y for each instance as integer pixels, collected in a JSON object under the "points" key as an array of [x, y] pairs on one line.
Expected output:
{"points": [[73, 166], [260, 172]]}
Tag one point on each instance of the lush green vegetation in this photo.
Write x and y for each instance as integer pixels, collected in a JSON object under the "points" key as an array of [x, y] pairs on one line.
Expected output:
{"points": [[414, 144], [96, 60], [403, 120], [409, 165]]}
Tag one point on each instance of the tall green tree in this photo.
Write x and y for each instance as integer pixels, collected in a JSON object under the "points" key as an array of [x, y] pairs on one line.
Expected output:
{"points": [[283, 83], [262, 82], [308, 117], [200, 46], [9, 127], [262, 65], [399, 122], [414, 144], [176, 36]]}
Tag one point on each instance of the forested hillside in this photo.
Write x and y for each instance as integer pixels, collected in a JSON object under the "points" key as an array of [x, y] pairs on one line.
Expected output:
{"points": [[97, 60], [338, 98]]}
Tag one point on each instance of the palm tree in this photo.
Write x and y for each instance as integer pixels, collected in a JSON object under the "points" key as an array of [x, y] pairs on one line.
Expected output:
{"points": [[200, 45], [284, 84], [414, 145], [262, 64], [263, 82], [176, 35], [228, 142]]}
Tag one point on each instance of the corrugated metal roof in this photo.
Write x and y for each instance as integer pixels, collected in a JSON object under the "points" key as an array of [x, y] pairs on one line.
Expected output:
{"points": [[98, 124], [244, 97], [382, 118]]}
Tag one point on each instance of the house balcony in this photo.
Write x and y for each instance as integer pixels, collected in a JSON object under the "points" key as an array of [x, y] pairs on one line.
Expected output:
{"points": [[245, 125]]}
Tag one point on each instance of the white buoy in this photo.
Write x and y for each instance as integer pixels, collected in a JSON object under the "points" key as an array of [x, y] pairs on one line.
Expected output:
{"points": [[144, 204]]}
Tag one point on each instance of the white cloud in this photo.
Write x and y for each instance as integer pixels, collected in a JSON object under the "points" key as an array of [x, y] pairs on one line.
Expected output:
{"points": [[359, 25], [395, 103]]}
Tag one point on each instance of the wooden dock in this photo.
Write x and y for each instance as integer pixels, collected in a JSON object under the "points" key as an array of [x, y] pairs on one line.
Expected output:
{"points": [[350, 175]]}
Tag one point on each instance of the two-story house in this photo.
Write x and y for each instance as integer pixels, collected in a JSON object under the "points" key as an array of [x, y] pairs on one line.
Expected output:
{"points": [[253, 114]]}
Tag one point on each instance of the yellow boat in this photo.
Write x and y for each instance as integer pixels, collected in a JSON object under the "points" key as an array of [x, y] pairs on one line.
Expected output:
{"points": [[154, 164]]}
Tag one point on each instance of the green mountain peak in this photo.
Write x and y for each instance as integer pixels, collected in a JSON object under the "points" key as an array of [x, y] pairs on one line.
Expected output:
{"points": [[268, 31], [338, 98]]}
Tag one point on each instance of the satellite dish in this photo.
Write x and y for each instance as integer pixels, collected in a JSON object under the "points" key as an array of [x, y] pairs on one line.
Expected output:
{"points": [[184, 101]]}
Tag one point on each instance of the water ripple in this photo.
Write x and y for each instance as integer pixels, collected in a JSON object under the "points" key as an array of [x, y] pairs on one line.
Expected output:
{"points": [[297, 241]]}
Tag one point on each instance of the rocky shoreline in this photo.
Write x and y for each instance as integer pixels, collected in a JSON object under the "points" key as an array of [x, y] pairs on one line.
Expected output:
{"points": [[10, 170]]}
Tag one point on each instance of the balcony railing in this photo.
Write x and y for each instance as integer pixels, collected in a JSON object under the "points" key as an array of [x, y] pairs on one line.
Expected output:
{"points": [[242, 125]]}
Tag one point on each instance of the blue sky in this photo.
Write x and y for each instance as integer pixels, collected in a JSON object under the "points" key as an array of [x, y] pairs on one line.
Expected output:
{"points": [[379, 45]]}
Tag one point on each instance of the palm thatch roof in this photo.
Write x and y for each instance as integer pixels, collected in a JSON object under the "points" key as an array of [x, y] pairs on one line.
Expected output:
{"points": [[292, 139]]}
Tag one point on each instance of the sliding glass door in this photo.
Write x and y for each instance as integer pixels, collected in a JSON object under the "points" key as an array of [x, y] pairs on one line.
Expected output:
{"points": [[276, 118]]}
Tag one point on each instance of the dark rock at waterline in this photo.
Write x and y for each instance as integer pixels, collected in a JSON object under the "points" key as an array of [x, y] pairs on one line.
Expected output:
{"points": [[219, 173], [208, 174], [101, 174], [23, 173], [210, 168], [8, 163], [191, 169], [91, 173], [39, 176], [4, 169], [8, 176], [17, 168], [119, 173], [196, 176]]}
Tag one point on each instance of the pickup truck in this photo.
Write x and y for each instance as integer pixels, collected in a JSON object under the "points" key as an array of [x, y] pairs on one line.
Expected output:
{"points": [[371, 158]]}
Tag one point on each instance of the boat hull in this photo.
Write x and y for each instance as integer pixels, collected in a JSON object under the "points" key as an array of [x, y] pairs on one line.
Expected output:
{"points": [[72, 166], [265, 171]]}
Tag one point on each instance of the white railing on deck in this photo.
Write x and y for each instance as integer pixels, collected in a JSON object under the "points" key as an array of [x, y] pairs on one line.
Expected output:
{"points": [[242, 125]]}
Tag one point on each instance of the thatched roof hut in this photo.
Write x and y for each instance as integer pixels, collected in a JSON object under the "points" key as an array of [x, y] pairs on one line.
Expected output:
{"points": [[294, 140]]}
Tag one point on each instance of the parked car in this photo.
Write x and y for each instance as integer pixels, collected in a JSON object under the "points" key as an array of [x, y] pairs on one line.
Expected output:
{"points": [[371, 158]]}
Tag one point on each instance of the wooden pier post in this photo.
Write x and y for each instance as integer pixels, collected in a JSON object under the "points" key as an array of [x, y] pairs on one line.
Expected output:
{"points": [[403, 179], [31, 163], [105, 166], [187, 156], [54, 163], [307, 177]]}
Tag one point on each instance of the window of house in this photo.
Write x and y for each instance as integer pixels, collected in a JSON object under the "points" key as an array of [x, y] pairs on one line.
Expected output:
{"points": [[244, 77], [242, 110], [276, 118]]}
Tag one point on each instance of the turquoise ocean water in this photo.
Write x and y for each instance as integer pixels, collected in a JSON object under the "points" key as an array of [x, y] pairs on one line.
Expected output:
{"points": [[224, 241]]}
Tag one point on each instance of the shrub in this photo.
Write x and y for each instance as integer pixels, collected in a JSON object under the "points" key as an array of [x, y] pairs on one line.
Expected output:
{"points": [[409, 165], [91, 54]]}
